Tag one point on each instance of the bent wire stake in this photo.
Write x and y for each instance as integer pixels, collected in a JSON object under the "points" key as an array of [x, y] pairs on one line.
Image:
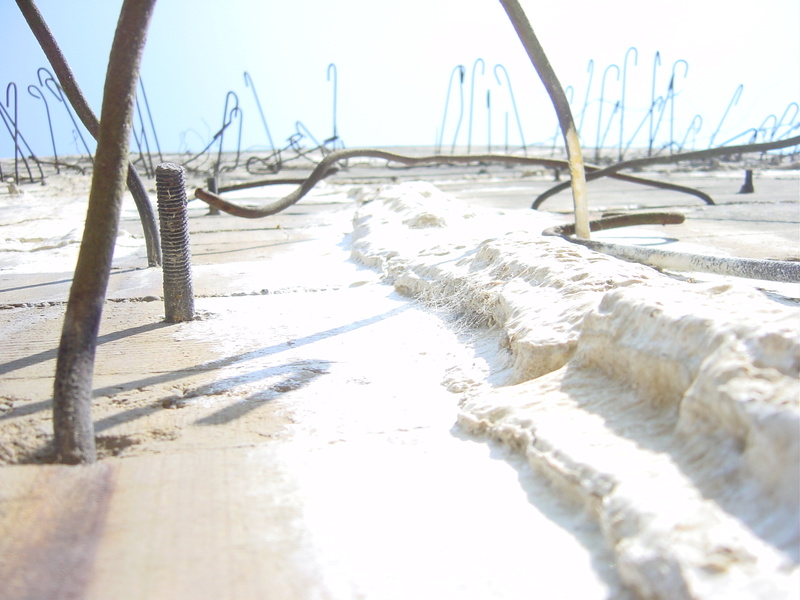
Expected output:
{"points": [[783, 271], [72, 390], [325, 168], [672, 158], [75, 96], [574, 153]]}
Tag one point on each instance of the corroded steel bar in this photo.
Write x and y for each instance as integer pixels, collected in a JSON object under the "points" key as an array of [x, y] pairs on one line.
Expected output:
{"points": [[177, 257]]}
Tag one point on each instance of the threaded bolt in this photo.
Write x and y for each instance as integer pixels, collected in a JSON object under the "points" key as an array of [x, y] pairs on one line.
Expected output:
{"points": [[176, 255]]}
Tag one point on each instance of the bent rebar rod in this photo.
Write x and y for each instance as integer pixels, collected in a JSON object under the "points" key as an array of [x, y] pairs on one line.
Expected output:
{"points": [[74, 94], [248, 82], [622, 98], [574, 153], [513, 103], [39, 95], [16, 135], [472, 99], [325, 168], [72, 391], [784, 271], [653, 160]]}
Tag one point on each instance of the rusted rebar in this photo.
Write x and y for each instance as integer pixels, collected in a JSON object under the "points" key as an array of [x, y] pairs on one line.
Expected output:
{"points": [[72, 391], [176, 255], [326, 167], [559, 98], [671, 158], [75, 96]]}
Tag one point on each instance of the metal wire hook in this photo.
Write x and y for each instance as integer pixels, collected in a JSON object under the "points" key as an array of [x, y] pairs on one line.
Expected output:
{"points": [[513, 103], [590, 70], [227, 120], [298, 126], [460, 70], [671, 98], [569, 92], [783, 116], [248, 82], [763, 129], [656, 63], [55, 88], [472, 99], [733, 102], [699, 120], [14, 121], [335, 97], [37, 93], [600, 112], [622, 99], [150, 118], [17, 136]]}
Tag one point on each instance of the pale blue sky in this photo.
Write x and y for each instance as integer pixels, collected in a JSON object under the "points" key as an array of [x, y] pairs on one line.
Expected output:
{"points": [[395, 57]]}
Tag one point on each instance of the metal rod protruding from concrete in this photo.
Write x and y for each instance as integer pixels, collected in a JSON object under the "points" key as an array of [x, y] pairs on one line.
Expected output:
{"points": [[176, 255]]}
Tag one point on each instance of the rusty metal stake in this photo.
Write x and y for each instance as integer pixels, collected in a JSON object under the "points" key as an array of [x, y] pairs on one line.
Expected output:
{"points": [[176, 256]]}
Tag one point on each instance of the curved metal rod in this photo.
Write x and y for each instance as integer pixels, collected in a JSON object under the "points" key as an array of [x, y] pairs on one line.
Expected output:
{"points": [[56, 58], [460, 70], [750, 268], [472, 99], [549, 79], [14, 132], [569, 92], [298, 126], [610, 121], [671, 99], [734, 101], [590, 70], [691, 129], [652, 136], [227, 119], [752, 132], [488, 122], [326, 167], [266, 182], [783, 116], [659, 102], [248, 82], [622, 99], [616, 221], [55, 88], [36, 92], [140, 138], [235, 111], [763, 129], [653, 160], [17, 136], [332, 66], [513, 104], [460, 108], [72, 390], [600, 111], [150, 118]]}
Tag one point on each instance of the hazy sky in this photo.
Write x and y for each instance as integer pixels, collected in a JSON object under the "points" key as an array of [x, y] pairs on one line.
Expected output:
{"points": [[394, 59]]}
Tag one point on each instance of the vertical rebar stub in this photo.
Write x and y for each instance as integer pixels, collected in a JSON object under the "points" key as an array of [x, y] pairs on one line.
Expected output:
{"points": [[177, 258]]}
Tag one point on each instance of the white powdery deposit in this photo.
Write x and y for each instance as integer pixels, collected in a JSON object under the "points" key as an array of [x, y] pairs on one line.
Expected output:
{"points": [[41, 232], [669, 408]]}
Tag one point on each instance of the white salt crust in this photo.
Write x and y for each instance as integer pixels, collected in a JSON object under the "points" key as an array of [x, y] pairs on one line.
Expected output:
{"points": [[669, 408]]}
